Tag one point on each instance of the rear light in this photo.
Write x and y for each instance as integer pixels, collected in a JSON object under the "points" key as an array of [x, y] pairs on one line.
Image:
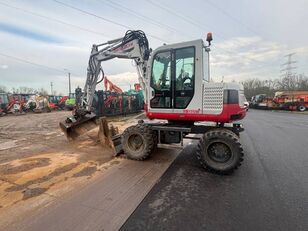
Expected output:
{"points": [[235, 117]]}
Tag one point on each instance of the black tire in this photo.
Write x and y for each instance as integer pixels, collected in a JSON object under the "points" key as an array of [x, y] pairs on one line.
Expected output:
{"points": [[220, 151], [138, 141], [301, 108]]}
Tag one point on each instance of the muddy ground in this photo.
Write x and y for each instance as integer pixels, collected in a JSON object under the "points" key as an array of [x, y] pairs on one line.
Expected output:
{"points": [[37, 160]]}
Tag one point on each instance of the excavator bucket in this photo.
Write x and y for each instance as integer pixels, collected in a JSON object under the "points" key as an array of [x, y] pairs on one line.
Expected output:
{"points": [[108, 137], [74, 129]]}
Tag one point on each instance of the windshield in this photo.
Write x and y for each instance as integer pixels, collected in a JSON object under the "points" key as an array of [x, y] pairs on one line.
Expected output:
{"points": [[161, 71]]}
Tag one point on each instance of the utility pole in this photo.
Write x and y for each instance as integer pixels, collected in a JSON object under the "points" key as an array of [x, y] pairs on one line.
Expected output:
{"points": [[288, 69], [51, 85], [69, 84], [69, 81]]}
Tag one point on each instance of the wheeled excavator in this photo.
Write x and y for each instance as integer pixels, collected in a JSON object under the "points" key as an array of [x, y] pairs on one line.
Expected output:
{"points": [[180, 101]]}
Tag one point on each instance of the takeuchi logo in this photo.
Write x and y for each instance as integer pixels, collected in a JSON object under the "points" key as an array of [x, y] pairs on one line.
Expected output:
{"points": [[192, 111], [124, 47]]}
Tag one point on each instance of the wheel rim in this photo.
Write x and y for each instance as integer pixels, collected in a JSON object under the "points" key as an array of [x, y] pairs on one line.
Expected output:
{"points": [[219, 152], [135, 142]]}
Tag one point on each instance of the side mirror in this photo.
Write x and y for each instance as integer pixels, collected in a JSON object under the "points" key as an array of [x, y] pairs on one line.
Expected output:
{"points": [[209, 38]]}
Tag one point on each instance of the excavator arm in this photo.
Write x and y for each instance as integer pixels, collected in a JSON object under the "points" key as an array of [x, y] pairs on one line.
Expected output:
{"points": [[134, 45]]}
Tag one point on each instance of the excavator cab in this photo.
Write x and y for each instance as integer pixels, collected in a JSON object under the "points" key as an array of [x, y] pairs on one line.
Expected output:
{"points": [[180, 88], [173, 78]]}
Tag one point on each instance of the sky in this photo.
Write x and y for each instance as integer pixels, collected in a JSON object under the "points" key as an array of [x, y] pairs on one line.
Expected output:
{"points": [[41, 41]]}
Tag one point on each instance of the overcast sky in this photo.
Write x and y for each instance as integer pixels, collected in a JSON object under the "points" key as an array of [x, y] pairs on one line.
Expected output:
{"points": [[41, 40]]}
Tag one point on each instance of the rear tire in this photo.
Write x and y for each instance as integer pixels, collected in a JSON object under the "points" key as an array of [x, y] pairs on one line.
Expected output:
{"points": [[220, 151], [301, 108], [138, 142]]}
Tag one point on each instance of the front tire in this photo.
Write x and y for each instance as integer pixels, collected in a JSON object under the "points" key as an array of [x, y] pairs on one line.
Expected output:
{"points": [[138, 142], [220, 151]]}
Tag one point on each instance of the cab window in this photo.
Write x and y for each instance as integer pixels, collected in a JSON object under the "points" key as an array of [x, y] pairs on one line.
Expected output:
{"points": [[184, 76], [161, 80]]}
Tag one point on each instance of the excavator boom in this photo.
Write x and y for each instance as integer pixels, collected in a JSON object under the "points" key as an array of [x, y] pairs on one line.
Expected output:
{"points": [[134, 45]]}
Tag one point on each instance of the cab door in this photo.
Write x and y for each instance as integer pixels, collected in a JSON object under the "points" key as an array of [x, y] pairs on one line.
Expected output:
{"points": [[161, 80], [173, 78], [184, 77]]}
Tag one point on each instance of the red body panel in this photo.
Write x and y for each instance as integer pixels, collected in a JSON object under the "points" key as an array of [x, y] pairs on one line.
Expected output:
{"points": [[225, 117], [63, 99]]}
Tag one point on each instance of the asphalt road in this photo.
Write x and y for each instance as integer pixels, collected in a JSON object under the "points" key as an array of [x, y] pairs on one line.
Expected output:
{"points": [[268, 192]]}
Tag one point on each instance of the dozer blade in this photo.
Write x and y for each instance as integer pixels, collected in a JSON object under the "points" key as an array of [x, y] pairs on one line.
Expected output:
{"points": [[108, 136], [74, 129]]}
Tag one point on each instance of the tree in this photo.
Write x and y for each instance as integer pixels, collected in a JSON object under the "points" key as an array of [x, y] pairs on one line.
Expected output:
{"points": [[302, 82], [42, 91], [15, 90], [269, 87], [27, 90]]}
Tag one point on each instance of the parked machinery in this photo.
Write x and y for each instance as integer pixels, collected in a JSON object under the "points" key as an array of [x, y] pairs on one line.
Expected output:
{"points": [[292, 100], [113, 101], [17, 103], [38, 104], [4, 102], [57, 102], [70, 101], [288, 100]]}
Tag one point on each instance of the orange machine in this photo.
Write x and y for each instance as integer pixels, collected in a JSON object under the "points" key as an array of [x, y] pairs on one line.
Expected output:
{"points": [[292, 100]]}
